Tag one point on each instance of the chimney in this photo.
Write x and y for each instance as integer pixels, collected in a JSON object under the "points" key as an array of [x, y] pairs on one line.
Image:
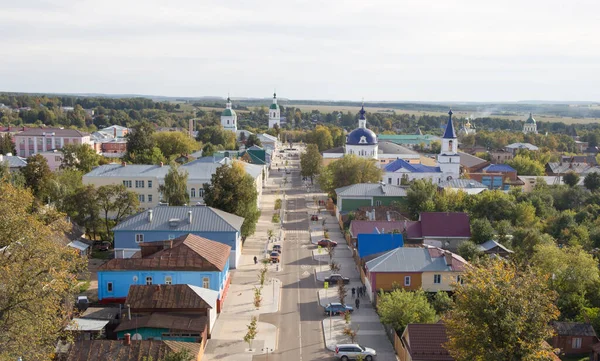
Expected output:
{"points": [[448, 256], [150, 216], [123, 164], [190, 217], [115, 132], [389, 219], [127, 339]]}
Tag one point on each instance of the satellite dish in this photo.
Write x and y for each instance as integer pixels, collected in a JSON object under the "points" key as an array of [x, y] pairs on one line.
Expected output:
{"points": [[449, 178], [136, 336]]}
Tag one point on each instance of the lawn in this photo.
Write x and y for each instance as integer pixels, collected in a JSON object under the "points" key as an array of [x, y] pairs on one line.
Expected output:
{"points": [[575, 358]]}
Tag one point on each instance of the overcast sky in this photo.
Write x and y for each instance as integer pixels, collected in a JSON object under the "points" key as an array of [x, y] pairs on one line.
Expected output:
{"points": [[444, 50]]}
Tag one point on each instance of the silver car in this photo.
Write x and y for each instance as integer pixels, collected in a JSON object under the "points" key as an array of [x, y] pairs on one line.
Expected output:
{"points": [[350, 351]]}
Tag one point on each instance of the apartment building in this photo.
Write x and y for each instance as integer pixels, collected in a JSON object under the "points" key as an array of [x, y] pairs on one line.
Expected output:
{"points": [[38, 140]]}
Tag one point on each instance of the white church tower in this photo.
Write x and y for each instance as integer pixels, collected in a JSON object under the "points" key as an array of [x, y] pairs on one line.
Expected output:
{"points": [[448, 159], [274, 114], [229, 118], [530, 125]]}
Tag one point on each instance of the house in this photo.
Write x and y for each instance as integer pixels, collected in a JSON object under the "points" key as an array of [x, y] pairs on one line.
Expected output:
{"points": [[410, 230], [54, 158], [370, 244], [493, 247], [188, 260], [469, 186], [445, 229], [81, 246], [87, 329], [168, 312], [130, 350], [431, 269], [423, 342], [37, 140], [500, 156], [515, 147], [529, 182], [167, 223], [351, 197], [116, 131], [112, 315], [269, 141], [13, 162], [497, 176], [574, 338], [560, 168]]}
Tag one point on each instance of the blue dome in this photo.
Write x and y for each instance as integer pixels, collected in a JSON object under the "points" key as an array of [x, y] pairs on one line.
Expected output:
{"points": [[361, 136]]}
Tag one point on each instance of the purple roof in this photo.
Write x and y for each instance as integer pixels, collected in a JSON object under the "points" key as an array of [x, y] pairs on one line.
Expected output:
{"points": [[445, 224], [502, 168], [449, 133], [413, 168], [413, 229]]}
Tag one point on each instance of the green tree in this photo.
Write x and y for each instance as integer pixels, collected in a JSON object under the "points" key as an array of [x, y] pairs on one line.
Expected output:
{"points": [[174, 191], [233, 190], [173, 144], [321, 136], [253, 140], [481, 230], [571, 179], [7, 145], [310, 162], [500, 314], [83, 208], [115, 202], [469, 250], [442, 302], [526, 166], [420, 197], [252, 332], [348, 170], [141, 146], [38, 277], [216, 135], [400, 307], [37, 175], [183, 355], [63, 184], [592, 181], [79, 157], [493, 205]]}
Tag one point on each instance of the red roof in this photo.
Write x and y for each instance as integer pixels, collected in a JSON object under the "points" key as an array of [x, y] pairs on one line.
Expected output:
{"points": [[445, 224], [413, 228], [425, 342]]}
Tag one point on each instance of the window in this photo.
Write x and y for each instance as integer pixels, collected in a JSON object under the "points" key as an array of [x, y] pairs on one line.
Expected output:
{"points": [[127, 183], [206, 282], [150, 198], [171, 236], [109, 287], [377, 203], [389, 180], [168, 280], [148, 280], [141, 198], [193, 193], [149, 184], [200, 192], [437, 279], [227, 121], [576, 342], [139, 184], [139, 238], [407, 280], [459, 280]]}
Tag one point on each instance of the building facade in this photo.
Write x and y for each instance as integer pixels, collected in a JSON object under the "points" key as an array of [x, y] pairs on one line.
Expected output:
{"points": [[530, 125], [38, 140], [361, 141], [274, 113], [229, 117]]}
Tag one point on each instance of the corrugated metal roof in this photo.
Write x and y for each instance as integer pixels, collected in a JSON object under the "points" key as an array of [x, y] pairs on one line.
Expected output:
{"points": [[522, 146], [204, 219], [371, 189], [116, 350], [84, 324], [13, 161], [445, 224], [33, 132], [172, 322], [462, 183], [413, 168], [169, 297], [409, 259], [393, 148], [498, 168]]}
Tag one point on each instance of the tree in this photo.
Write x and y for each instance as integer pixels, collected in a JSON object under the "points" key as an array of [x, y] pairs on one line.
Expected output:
{"points": [[253, 140], [442, 302], [310, 162], [83, 208], [252, 332], [37, 276], [7, 145], [526, 166], [419, 197], [232, 190], [216, 135], [571, 179], [183, 355], [321, 136], [173, 144], [400, 307], [493, 205], [342, 292], [469, 250], [115, 202], [348, 170], [37, 173], [481, 230], [79, 157], [141, 146], [500, 313], [174, 191], [62, 185], [592, 181]]}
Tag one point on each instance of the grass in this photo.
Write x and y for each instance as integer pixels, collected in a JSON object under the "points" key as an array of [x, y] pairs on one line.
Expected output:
{"points": [[575, 358], [84, 286], [102, 254]]}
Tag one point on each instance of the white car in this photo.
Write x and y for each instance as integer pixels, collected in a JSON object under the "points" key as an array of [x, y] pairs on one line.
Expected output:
{"points": [[350, 351]]}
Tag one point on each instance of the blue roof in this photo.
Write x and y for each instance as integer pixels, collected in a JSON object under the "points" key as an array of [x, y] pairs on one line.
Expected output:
{"points": [[413, 168], [499, 168], [369, 244], [449, 133], [356, 135]]}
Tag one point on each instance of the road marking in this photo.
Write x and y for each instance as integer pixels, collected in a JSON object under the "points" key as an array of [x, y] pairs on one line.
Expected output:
{"points": [[306, 273]]}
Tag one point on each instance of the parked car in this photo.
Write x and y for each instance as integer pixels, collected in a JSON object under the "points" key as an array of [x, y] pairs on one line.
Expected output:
{"points": [[82, 303], [325, 242], [287, 171], [351, 351], [314, 217], [337, 308], [336, 277], [277, 248], [275, 257], [104, 246]]}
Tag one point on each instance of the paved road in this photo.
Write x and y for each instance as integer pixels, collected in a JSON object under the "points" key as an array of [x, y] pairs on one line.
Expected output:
{"points": [[299, 319]]}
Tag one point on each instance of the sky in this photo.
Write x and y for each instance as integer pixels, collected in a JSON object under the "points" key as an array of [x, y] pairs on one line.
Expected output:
{"points": [[443, 50]]}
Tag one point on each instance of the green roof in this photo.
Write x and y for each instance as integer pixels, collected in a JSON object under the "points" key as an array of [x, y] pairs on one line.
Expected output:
{"points": [[274, 106], [228, 112], [530, 120]]}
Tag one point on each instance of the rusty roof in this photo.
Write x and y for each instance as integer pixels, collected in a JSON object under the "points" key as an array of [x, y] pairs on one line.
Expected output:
{"points": [[102, 350], [189, 252], [425, 342], [172, 322], [169, 297]]}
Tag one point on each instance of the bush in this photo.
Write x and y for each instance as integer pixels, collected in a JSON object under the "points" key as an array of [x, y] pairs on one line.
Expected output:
{"points": [[276, 218], [278, 204]]}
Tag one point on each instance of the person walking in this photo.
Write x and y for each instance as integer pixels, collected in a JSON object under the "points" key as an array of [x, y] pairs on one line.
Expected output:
{"points": [[357, 304], [364, 289], [358, 291], [255, 260], [353, 291]]}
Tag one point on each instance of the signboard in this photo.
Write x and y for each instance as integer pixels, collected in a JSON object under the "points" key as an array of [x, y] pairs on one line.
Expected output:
{"points": [[320, 249], [326, 285]]}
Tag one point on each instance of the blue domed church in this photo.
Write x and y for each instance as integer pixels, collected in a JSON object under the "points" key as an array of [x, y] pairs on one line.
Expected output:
{"points": [[362, 141]]}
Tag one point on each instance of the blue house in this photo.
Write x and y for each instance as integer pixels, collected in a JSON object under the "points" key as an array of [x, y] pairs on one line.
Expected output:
{"points": [[188, 259], [164, 223], [370, 244]]}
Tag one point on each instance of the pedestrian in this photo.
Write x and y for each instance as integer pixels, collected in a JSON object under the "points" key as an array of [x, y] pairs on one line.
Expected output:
{"points": [[353, 291], [255, 260], [364, 289], [357, 303], [360, 293]]}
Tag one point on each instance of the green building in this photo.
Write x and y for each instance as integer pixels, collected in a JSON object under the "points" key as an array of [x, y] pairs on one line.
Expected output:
{"points": [[352, 197]]}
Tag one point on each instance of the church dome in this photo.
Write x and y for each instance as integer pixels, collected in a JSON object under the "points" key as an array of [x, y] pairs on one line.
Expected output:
{"points": [[228, 112], [274, 106], [361, 136], [530, 120]]}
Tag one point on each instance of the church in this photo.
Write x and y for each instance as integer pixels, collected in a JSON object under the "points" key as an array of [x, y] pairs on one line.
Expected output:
{"points": [[229, 117], [530, 125]]}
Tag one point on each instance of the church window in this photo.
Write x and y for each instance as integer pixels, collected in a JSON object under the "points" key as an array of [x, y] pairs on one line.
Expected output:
{"points": [[450, 145], [228, 121], [193, 193], [389, 180]]}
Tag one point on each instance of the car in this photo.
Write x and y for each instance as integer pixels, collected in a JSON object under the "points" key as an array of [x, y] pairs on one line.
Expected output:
{"points": [[337, 308], [104, 246], [275, 257], [287, 171], [351, 351], [326, 242], [335, 278], [82, 303], [277, 248]]}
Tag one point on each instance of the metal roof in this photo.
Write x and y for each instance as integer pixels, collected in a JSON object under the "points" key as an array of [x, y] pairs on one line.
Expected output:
{"points": [[413, 168], [410, 259], [84, 324], [58, 132], [385, 147], [205, 219], [462, 183], [13, 161], [371, 189], [522, 146], [498, 168]]}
